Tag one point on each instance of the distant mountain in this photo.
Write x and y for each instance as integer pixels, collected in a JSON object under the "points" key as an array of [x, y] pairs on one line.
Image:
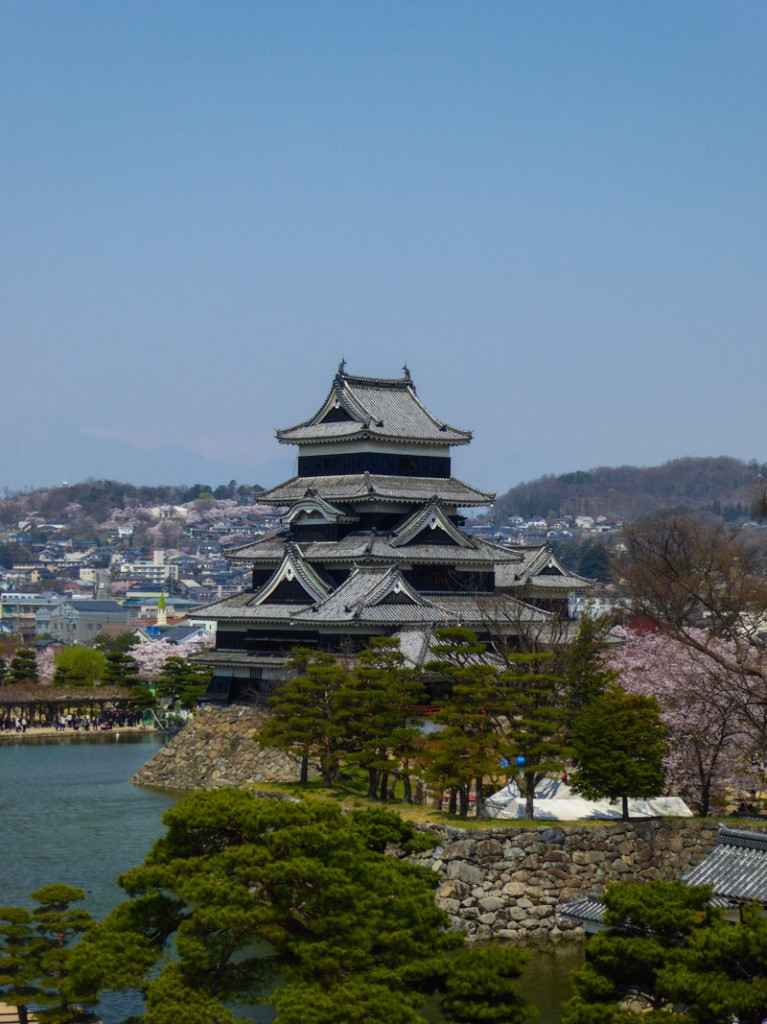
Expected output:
{"points": [[722, 485]]}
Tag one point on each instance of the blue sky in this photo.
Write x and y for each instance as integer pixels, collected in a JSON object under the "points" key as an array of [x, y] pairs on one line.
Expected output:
{"points": [[555, 213]]}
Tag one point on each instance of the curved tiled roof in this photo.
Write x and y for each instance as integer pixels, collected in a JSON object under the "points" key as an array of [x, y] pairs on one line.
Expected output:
{"points": [[736, 868], [367, 487], [377, 408]]}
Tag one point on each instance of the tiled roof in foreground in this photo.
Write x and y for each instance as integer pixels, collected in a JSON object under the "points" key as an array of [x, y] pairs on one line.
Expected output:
{"points": [[366, 487], [736, 868]]}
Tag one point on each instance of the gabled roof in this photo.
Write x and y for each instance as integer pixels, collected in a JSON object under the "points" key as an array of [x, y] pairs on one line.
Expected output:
{"points": [[413, 541], [373, 407], [539, 567], [357, 488], [294, 568], [425, 519], [375, 594], [736, 868]]}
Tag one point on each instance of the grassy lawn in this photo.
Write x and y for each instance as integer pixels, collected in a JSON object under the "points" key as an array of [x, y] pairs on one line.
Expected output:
{"points": [[351, 788]]}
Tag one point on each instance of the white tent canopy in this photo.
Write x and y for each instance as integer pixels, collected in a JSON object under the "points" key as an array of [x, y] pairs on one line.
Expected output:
{"points": [[555, 801]]}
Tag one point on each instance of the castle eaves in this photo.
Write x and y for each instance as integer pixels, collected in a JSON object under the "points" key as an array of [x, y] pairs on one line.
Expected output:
{"points": [[365, 487]]}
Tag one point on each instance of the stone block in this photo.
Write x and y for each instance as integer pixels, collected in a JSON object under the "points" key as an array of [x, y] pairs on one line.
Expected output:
{"points": [[489, 850], [453, 888], [514, 889], [461, 850], [468, 873]]}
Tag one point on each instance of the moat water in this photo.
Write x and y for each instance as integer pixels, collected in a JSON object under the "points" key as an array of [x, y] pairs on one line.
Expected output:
{"points": [[69, 814]]}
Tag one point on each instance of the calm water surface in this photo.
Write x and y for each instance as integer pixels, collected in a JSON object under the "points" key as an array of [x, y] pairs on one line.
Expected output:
{"points": [[69, 814]]}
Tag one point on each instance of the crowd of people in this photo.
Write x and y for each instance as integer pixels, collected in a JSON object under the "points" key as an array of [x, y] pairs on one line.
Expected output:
{"points": [[69, 721]]}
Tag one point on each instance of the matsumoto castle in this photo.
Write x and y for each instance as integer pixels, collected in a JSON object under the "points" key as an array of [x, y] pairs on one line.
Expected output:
{"points": [[373, 546]]}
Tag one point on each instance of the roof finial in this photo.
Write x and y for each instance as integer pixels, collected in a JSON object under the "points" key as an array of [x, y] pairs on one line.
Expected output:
{"points": [[342, 366], [406, 372]]}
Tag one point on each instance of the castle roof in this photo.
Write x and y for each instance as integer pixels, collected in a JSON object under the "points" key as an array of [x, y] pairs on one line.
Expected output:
{"points": [[367, 487], [373, 407], [538, 565]]}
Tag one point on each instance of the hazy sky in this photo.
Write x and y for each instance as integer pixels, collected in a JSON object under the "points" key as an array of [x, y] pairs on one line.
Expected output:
{"points": [[554, 212]]}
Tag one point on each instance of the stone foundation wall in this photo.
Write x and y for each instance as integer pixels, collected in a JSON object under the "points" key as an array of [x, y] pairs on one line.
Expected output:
{"points": [[217, 748], [507, 882]]}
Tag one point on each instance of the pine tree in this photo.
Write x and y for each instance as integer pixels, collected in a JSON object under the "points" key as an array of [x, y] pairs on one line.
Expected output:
{"points": [[120, 669], [532, 718], [23, 667], [619, 746], [308, 717], [246, 890], [467, 749], [668, 955], [35, 948], [377, 699], [181, 682]]}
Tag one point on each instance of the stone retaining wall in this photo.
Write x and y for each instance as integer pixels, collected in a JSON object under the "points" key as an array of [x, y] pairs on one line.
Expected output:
{"points": [[507, 882], [217, 748]]}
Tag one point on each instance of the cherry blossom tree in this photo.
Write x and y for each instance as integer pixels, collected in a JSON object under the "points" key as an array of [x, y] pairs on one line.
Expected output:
{"points": [[45, 665], [712, 718], [150, 657]]}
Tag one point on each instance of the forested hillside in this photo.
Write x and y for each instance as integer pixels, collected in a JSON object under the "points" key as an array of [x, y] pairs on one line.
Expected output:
{"points": [[722, 485], [98, 499]]}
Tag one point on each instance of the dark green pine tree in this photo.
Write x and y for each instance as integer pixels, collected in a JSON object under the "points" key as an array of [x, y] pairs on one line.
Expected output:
{"points": [[722, 975], [182, 683], [3, 672], [245, 891], [481, 987], [531, 717], [35, 947], [120, 669], [618, 748], [378, 698], [468, 746], [650, 926], [308, 716], [23, 667]]}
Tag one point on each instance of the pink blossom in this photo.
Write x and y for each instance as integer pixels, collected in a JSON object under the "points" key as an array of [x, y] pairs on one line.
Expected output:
{"points": [[151, 656], [709, 712]]}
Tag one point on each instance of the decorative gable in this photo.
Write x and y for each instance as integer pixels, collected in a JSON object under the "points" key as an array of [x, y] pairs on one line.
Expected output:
{"points": [[314, 509], [429, 525], [551, 569], [335, 414], [295, 582]]}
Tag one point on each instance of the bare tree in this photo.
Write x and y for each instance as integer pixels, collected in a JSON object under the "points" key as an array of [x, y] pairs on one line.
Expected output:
{"points": [[701, 582]]}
